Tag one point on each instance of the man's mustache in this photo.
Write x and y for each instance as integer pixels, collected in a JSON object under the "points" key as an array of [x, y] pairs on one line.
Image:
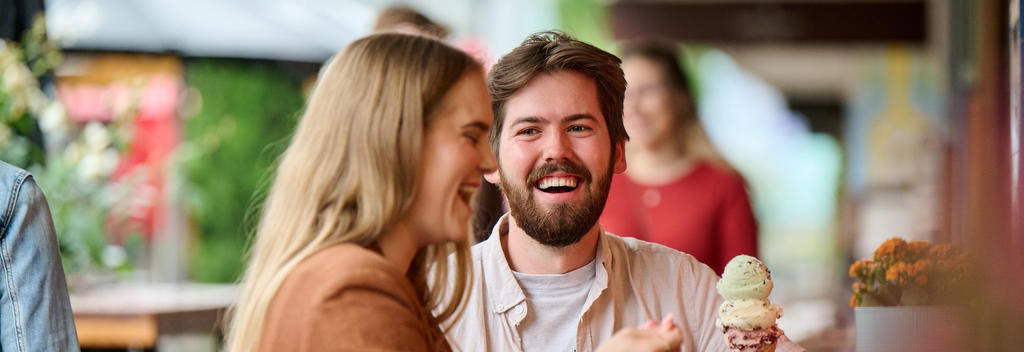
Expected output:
{"points": [[552, 167]]}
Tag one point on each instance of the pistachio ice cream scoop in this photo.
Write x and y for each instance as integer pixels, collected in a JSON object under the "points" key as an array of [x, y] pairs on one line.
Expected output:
{"points": [[745, 277]]}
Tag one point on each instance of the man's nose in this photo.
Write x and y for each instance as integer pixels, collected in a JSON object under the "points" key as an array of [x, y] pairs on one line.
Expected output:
{"points": [[557, 147]]}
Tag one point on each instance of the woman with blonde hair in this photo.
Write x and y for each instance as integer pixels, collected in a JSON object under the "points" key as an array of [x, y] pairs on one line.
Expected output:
{"points": [[362, 242], [373, 190], [678, 191]]}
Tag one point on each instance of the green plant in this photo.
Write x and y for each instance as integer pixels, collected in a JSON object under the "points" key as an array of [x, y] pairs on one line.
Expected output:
{"points": [[910, 273], [71, 162], [249, 109], [21, 65]]}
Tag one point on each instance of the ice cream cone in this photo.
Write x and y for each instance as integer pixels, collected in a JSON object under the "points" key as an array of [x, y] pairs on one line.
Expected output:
{"points": [[747, 317], [768, 347]]}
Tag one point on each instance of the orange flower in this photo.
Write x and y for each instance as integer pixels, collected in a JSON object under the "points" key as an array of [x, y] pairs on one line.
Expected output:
{"points": [[898, 265], [917, 248], [860, 267], [897, 271], [922, 280], [892, 248], [922, 265]]}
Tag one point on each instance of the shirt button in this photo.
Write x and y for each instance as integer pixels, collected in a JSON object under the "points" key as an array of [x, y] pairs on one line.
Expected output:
{"points": [[651, 198]]}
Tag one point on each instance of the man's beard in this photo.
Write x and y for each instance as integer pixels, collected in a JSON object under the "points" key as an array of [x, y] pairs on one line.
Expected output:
{"points": [[565, 223]]}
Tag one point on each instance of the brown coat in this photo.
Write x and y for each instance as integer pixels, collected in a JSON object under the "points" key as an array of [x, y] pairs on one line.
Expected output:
{"points": [[348, 298]]}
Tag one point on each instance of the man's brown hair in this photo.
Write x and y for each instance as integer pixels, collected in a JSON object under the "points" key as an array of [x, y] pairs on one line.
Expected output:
{"points": [[550, 52]]}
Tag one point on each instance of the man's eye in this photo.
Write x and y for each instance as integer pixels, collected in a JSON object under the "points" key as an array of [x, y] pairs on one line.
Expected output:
{"points": [[473, 139], [528, 132], [578, 128]]}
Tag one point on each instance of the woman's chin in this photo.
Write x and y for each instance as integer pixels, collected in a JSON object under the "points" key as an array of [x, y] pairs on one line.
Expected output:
{"points": [[459, 235]]}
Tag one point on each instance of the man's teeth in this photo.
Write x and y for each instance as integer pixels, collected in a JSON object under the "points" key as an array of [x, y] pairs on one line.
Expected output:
{"points": [[549, 182]]}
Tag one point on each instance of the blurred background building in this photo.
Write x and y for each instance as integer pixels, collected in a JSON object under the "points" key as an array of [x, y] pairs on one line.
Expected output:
{"points": [[153, 127]]}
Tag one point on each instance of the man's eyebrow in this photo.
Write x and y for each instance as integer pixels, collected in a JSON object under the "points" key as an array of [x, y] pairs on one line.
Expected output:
{"points": [[526, 119], [577, 117]]}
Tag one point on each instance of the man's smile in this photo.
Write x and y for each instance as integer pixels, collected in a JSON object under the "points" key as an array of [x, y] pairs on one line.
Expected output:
{"points": [[558, 183]]}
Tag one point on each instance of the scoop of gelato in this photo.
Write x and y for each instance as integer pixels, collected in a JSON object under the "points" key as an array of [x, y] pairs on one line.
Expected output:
{"points": [[745, 277], [760, 340], [747, 314]]}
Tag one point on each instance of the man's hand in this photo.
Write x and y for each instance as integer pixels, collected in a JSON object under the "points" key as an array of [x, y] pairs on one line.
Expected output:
{"points": [[651, 336]]}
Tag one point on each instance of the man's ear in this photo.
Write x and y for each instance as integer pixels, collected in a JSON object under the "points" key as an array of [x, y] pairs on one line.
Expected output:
{"points": [[493, 176], [620, 157]]}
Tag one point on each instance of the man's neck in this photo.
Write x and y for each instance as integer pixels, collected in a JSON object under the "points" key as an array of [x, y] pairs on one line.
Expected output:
{"points": [[526, 255]]}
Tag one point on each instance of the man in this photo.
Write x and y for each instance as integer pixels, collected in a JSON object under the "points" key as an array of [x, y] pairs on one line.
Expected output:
{"points": [[36, 313], [548, 278]]}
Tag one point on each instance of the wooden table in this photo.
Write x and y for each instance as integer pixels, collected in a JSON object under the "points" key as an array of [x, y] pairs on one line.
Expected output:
{"points": [[144, 315]]}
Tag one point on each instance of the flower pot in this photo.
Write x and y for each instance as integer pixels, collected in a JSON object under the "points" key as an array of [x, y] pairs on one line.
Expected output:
{"points": [[914, 328]]}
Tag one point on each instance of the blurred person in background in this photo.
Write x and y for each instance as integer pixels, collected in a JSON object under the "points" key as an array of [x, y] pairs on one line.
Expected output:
{"points": [[678, 190], [406, 20], [36, 312], [371, 199]]}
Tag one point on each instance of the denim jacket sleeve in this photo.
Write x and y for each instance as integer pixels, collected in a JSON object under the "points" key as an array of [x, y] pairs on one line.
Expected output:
{"points": [[35, 311]]}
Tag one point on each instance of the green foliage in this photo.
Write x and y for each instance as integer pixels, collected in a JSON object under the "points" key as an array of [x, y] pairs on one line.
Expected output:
{"points": [[587, 20], [249, 109], [77, 213], [75, 166], [21, 100]]}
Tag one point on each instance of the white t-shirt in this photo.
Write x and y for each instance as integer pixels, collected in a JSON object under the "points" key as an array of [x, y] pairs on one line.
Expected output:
{"points": [[551, 301]]}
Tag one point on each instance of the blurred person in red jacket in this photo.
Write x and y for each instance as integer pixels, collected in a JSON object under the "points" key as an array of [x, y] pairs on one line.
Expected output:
{"points": [[678, 191]]}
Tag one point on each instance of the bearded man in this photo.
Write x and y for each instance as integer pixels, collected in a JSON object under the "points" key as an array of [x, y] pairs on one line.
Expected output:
{"points": [[548, 278]]}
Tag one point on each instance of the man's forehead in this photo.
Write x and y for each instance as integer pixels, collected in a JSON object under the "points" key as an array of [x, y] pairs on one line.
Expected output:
{"points": [[553, 97]]}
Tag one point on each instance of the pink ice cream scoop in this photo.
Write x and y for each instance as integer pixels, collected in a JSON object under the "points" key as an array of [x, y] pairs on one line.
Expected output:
{"points": [[757, 340]]}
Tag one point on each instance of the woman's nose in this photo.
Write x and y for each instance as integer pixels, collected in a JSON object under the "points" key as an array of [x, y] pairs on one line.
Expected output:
{"points": [[488, 162]]}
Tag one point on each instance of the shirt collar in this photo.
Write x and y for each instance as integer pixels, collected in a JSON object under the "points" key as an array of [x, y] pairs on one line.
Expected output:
{"points": [[498, 274], [604, 259]]}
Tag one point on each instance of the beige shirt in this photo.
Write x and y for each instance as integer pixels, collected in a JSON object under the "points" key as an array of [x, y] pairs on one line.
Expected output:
{"points": [[636, 281]]}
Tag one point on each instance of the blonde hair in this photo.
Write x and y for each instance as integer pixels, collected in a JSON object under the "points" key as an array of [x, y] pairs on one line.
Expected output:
{"points": [[350, 174]]}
